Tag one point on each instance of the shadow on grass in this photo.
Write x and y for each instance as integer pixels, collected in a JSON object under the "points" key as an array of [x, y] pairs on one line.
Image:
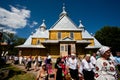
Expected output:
{"points": [[8, 71]]}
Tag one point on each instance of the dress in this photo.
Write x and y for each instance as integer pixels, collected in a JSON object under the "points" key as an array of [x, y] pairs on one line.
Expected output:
{"points": [[59, 72], [105, 70]]}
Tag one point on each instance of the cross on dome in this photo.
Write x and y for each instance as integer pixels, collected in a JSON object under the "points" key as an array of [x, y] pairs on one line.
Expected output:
{"points": [[43, 26], [81, 25], [63, 12]]}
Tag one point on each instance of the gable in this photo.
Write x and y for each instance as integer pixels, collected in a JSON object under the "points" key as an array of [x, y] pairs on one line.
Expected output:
{"points": [[64, 23]]}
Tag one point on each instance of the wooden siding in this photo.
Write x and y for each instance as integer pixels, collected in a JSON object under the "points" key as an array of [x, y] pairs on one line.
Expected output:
{"points": [[65, 34], [92, 42], [34, 40], [54, 50], [77, 36], [53, 35]]}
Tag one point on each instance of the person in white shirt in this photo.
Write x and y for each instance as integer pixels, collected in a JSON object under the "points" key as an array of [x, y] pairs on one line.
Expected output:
{"points": [[93, 60], [86, 68], [20, 59], [73, 65]]}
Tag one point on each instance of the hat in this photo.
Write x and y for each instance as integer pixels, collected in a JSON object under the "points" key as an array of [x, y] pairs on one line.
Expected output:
{"points": [[103, 49], [73, 54], [88, 55], [49, 57]]}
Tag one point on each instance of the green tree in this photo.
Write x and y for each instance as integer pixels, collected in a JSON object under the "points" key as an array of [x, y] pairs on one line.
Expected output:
{"points": [[15, 41], [109, 36], [12, 40]]}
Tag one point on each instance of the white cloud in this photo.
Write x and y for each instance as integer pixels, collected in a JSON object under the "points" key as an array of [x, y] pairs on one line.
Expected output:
{"points": [[33, 24], [16, 18]]}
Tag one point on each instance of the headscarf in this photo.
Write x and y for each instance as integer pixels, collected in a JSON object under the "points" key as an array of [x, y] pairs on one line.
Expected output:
{"points": [[102, 50], [73, 54]]}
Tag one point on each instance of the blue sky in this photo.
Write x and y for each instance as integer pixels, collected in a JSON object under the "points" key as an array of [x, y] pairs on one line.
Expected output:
{"points": [[23, 16]]}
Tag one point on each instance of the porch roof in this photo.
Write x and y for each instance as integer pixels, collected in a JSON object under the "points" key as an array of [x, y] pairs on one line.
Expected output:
{"points": [[67, 40], [30, 46]]}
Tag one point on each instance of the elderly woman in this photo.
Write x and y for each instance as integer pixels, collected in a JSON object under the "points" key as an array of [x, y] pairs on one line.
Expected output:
{"points": [[87, 67], [105, 68]]}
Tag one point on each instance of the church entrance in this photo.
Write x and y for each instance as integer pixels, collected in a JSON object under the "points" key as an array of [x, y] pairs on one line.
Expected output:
{"points": [[67, 49]]}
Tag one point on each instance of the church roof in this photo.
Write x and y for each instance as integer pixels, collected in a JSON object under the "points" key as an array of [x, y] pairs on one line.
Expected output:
{"points": [[96, 44], [64, 23], [41, 34], [30, 46], [86, 35]]}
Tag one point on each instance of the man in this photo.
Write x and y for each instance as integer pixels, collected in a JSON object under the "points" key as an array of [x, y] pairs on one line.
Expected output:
{"points": [[73, 65]]}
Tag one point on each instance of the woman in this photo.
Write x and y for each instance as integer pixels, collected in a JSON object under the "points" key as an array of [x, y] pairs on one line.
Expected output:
{"points": [[58, 69], [51, 73], [36, 63], [105, 68], [42, 74], [87, 68]]}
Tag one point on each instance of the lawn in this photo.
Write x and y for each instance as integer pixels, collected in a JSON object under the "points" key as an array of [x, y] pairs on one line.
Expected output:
{"points": [[16, 74]]}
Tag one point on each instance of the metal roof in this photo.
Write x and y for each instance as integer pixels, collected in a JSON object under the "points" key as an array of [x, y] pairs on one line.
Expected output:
{"points": [[64, 23], [30, 46]]}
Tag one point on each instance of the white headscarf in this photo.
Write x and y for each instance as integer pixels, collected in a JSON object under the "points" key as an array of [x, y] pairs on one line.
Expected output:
{"points": [[102, 50], [73, 54]]}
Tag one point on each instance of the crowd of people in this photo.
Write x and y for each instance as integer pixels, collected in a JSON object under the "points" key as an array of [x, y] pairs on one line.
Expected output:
{"points": [[97, 66]]}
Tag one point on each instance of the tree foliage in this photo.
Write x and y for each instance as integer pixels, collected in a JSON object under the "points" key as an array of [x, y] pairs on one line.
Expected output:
{"points": [[109, 36], [13, 40]]}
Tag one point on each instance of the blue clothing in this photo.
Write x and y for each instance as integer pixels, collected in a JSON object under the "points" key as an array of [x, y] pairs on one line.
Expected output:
{"points": [[117, 59]]}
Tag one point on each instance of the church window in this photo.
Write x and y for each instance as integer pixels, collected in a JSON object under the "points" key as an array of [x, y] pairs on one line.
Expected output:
{"points": [[38, 41], [71, 35], [66, 47], [59, 35], [62, 48]]}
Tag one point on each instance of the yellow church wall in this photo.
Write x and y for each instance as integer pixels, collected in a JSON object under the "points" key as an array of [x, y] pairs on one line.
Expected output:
{"points": [[92, 42], [53, 35], [34, 40], [65, 34], [42, 39], [77, 35]]}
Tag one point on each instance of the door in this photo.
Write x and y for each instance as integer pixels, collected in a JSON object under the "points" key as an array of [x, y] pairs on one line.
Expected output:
{"points": [[69, 49]]}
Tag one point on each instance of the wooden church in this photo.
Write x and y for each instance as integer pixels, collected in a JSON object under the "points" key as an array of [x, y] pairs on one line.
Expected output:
{"points": [[62, 39]]}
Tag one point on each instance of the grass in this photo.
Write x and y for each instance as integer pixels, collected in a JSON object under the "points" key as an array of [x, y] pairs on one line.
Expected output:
{"points": [[17, 74], [27, 76]]}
